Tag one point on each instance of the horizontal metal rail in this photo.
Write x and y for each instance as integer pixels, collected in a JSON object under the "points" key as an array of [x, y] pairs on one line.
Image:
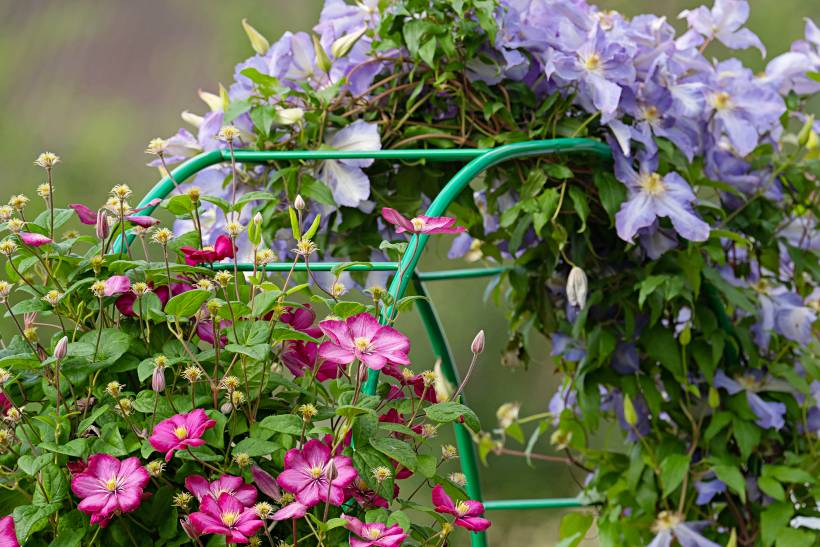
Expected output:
{"points": [[547, 503]]}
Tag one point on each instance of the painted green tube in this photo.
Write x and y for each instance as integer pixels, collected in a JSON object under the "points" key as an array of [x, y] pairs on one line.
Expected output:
{"points": [[444, 275], [314, 267], [547, 503]]}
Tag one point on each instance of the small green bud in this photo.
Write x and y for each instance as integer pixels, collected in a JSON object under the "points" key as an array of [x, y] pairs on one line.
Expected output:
{"points": [[258, 42], [714, 397], [805, 131], [322, 60], [630, 415], [685, 335]]}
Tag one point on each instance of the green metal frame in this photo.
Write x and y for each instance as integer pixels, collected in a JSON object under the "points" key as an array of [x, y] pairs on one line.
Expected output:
{"points": [[478, 161]]}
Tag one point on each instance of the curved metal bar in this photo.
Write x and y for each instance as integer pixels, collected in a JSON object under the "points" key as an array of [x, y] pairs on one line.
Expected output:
{"points": [[456, 185]]}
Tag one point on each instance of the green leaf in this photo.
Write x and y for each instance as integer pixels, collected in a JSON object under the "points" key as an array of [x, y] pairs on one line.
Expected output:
{"points": [[317, 191], [790, 537], [71, 530], [179, 205], [733, 478], [286, 333], [558, 171], [255, 447], [283, 423], [661, 345], [348, 309], [222, 203], [732, 294], [32, 518], [611, 192], [265, 302], [428, 51], [747, 435], [774, 520], [258, 352], [187, 303], [673, 470], [54, 483], [579, 201], [771, 488], [784, 473], [573, 528], [397, 450], [75, 447], [253, 196], [450, 412]]}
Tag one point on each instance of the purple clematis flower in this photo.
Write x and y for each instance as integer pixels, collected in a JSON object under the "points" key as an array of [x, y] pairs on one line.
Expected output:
{"points": [[651, 196], [669, 526], [346, 179], [724, 23], [601, 67], [708, 490], [769, 414]]}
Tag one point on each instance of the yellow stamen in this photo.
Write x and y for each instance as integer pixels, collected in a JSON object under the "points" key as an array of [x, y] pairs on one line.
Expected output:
{"points": [[362, 344], [652, 184], [181, 432], [462, 508], [316, 472], [722, 100], [372, 533], [417, 223], [111, 485], [593, 62], [229, 519]]}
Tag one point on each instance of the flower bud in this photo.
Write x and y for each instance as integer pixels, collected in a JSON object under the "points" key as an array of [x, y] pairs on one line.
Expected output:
{"points": [[478, 343], [560, 439], [299, 203], [192, 119], [288, 116], [214, 102], [158, 379], [265, 482], [630, 416], [258, 42], [714, 397], [61, 349], [343, 45], [577, 287], [805, 131], [322, 60], [101, 227], [443, 388]]}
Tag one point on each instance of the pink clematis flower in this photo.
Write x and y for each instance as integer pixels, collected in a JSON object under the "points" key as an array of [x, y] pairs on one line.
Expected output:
{"points": [[84, 213], [109, 487], [374, 534], [466, 512], [33, 240], [314, 476], [226, 516], [421, 224], [362, 337], [235, 486], [8, 537], [117, 284], [180, 432], [222, 249]]}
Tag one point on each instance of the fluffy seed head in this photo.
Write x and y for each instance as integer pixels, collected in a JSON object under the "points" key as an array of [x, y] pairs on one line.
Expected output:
{"points": [[4, 376], [30, 333], [15, 225], [44, 190], [265, 256], [156, 147], [121, 192], [182, 500], [305, 247], [560, 439], [237, 398], [114, 388], [8, 246], [458, 478], [381, 473], [195, 193], [228, 133], [234, 229], [263, 509], [160, 361], [5, 289], [52, 297], [125, 406], [449, 452], [155, 468], [162, 236], [140, 288], [18, 202], [5, 212], [242, 459], [192, 373], [205, 284], [428, 377], [230, 383], [428, 431], [47, 160], [308, 411], [98, 289]]}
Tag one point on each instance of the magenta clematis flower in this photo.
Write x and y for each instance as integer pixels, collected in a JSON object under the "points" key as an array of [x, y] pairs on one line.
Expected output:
{"points": [[421, 224], [142, 221], [109, 486], [226, 516], [33, 240], [226, 484], [180, 432], [362, 337], [84, 213], [466, 512], [374, 534], [117, 284], [314, 476], [222, 249], [8, 537]]}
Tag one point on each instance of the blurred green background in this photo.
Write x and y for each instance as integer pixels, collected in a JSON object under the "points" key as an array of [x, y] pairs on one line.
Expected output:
{"points": [[94, 81]]}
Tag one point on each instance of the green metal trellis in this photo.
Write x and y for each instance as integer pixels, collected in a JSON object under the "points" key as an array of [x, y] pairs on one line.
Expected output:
{"points": [[478, 161]]}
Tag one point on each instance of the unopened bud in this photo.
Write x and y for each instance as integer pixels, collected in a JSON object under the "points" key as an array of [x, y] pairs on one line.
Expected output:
{"points": [[714, 397], [478, 343], [343, 45], [299, 203], [630, 416], [805, 131], [265, 482], [577, 287], [560, 439], [61, 349], [258, 42], [102, 225], [322, 60], [158, 379]]}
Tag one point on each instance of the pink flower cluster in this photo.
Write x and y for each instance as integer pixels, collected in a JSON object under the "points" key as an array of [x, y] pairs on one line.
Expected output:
{"points": [[109, 487], [225, 508]]}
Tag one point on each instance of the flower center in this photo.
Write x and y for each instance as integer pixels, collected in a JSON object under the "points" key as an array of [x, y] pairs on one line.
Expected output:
{"points": [[593, 62], [652, 184], [362, 344], [749, 382], [111, 485], [418, 224], [316, 472], [181, 432], [208, 248], [722, 101], [650, 113], [462, 508], [229, 519], [666, 521], [372, 533]]}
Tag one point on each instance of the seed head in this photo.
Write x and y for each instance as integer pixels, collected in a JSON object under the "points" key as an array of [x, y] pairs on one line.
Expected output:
{"points": [[121, 192], [18, 202], [155, 468], [228, 133], [305, 247], [308, 412], [162, 236], [160, 361], [263, 509], [96, 263], [5, 289], [242, 459], [5, 436], [507, 414], [223, 278], [8, 246], [44, 190], [114, 388], [30, 333], [15, 225], [449, 452], [205, 285], [338, 289], [52, 297], [560, 439], [265, 256], [428, 377], [192, 373], [182, 500], [234, 229], [98, 289], [5, 212], [428, 431], [195, 193], [140, 288], [458, 479], [229, 383], [71, 234], [125, 406], [156, 147], [237, 398], [13, 415], [4, 376], [381, 473], [47, 160]]}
